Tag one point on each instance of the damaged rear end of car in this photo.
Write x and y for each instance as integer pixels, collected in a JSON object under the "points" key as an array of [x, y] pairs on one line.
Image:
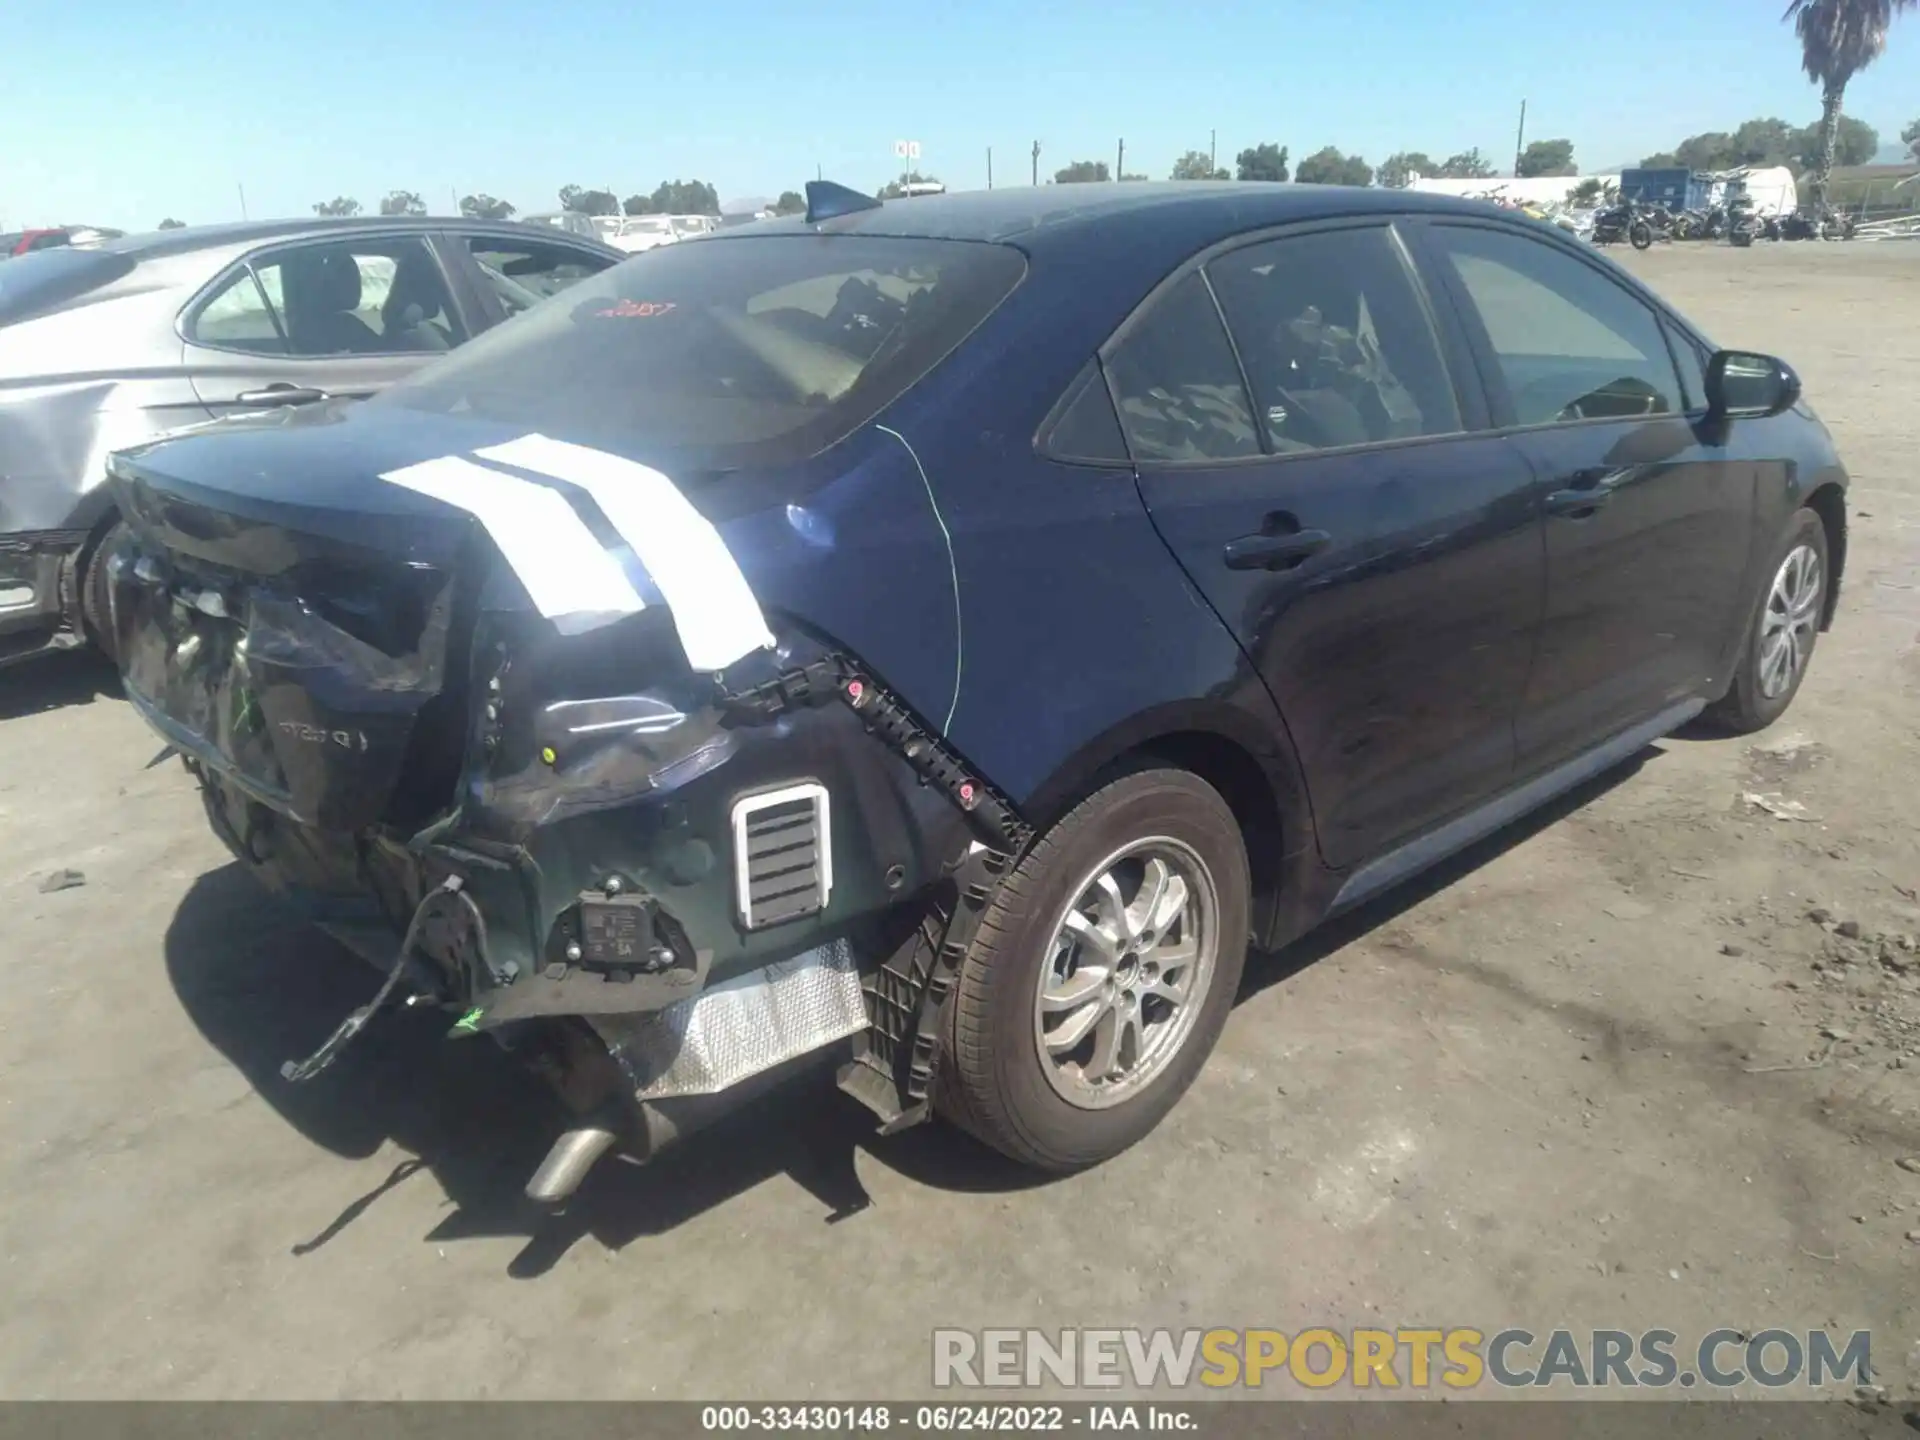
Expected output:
{"points": [[615, 768]]}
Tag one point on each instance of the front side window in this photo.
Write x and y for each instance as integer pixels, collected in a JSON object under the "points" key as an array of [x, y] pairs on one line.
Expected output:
{"points": [[523, 273], [1570, 343], [727, 353], [1336, 341], [1177, 385], [339, 297]]}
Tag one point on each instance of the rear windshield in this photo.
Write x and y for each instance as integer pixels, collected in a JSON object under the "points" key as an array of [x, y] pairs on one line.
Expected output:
{"points": [[40, 280], [724, 353]]}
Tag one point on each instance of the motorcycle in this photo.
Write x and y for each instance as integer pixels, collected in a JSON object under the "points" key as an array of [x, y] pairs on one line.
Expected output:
{"points": [[1742, 224], [1630, 221]]}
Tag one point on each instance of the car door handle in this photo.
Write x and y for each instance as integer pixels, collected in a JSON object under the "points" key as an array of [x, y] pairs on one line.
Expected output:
{"points": [[1577, 502], [1591, 489], [280, 395], [1275, 552]]}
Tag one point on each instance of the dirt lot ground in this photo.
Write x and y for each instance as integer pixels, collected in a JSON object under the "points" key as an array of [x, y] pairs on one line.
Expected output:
{"points": [[1602, 1071]]}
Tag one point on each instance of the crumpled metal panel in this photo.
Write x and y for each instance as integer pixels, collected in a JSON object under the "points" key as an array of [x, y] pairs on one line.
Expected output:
{"points": [[739, 1029]]}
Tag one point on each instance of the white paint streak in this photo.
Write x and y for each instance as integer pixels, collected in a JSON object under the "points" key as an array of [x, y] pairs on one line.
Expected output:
{"points": [[569, 575], [714, 609]]}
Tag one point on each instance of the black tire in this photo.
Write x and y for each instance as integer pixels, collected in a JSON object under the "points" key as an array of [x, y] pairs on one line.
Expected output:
{"points": [[96, 608], [1742, 239], [1746, 707], [1641, 235], [992, 1079]]}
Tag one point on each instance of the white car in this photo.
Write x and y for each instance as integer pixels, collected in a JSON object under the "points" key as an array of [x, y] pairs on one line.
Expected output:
{"points": [[642, 232]]}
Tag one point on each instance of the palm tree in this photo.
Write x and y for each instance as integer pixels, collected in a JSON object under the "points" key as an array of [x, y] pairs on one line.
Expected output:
{"points": [[1838, 39]]}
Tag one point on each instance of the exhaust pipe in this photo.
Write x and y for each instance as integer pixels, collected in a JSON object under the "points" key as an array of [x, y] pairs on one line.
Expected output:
{"points": [[567, 1163]]}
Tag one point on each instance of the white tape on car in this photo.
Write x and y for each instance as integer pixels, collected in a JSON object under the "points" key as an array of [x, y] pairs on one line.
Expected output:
{"points": [[569, 575], [713, 607]]}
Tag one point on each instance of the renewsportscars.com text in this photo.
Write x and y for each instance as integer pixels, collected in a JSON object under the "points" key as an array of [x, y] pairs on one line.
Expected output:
{"points": [[1413, 1359]]}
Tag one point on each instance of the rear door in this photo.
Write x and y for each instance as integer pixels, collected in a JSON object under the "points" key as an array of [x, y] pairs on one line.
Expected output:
{"points": [[336, 316], [1649, 518], [1313, 465]]}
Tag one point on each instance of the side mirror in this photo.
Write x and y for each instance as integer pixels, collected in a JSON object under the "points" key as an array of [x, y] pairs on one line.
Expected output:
{"points": [[1744, 385]]}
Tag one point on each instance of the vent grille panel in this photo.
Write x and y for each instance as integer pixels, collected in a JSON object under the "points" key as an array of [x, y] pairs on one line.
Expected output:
{"points": [[783, 855]]}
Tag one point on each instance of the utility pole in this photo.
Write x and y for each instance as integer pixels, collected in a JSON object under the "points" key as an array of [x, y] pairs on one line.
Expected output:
{"points": [[453, 194], [1520, 141], [1120, 162], [1036, 162], [989, 167], [1213, 160], [243, 201]]}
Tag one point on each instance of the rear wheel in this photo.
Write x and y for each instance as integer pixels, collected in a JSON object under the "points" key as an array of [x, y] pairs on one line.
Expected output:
{"points": [[1641, 235], [1101, 975], [96, 606], [1781, 635]]}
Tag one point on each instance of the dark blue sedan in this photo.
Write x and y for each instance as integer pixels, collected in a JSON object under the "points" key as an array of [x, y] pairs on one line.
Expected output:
{"points": [[945, 635]]}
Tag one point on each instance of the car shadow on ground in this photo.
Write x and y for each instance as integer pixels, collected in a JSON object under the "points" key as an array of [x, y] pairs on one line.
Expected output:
{"points": [[264, 987], [54, 681]]}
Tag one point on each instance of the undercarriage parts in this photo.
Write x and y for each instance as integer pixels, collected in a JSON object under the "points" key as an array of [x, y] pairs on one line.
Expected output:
{"points": [[739, 1028], [297, 1072]]}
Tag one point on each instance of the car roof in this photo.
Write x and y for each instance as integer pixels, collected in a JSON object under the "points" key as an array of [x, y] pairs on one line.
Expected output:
{"points": [[158, 243], [1033, 216]]}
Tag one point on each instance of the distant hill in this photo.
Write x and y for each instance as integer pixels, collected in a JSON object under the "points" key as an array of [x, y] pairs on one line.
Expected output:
{"points": [[1893, 153]]}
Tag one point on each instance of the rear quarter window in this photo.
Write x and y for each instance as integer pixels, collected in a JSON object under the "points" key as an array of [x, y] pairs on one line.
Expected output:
{"points": [[729, 352]]}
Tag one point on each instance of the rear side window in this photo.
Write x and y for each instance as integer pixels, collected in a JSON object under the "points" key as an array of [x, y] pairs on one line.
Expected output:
{"points": [[1570, 343], [1336, 341], [44, 280], [521, 275], [731, 352], [1177, 384]]}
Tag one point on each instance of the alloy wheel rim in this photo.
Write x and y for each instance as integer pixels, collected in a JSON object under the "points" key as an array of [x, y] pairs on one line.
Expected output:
{"points": [[1790, 621], [1126, 972]]}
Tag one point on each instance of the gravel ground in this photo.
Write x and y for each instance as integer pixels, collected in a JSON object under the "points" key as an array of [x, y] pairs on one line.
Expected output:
{"points": [[1649, 1059]]}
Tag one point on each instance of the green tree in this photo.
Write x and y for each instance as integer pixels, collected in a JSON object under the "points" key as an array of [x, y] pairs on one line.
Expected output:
{"points": [[588, 202], [1910, 137], [1330, 167], [1664, 160], [1082, 172], [637, 205], [1265, 161], [1710, 151], [403, 202], [1766, 141], [896, 189], [1854, 143], [1397, 171], [1133, 177], [484, 207], [685, 197], [1547, 157], [1838, 39], [339, 205], [1591, 191], [1194, 165], [1467, 165], [172, 224], [791, 202]]}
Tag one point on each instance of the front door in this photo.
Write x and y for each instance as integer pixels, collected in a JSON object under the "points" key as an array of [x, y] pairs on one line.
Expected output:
{"points": [[344, 317], [1310, 465], [1648, 525]]}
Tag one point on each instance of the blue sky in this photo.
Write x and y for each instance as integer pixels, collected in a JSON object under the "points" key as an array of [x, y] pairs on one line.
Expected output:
{"points": [[120, 112]]}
